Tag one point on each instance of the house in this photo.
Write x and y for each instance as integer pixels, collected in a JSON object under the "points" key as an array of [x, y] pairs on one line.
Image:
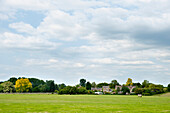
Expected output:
{"points": [[130, 87], [96, 89]]}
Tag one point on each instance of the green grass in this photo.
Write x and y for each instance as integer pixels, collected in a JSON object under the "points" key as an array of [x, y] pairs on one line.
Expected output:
{"points": [[43, 103]]}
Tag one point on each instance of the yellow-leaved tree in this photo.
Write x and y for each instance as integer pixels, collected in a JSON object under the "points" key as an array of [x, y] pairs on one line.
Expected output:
{"points": [[23, 85], [129, 82]]}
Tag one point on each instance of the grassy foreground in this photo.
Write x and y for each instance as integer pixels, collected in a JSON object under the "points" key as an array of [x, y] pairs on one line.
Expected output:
{"points": [[43, 103]]}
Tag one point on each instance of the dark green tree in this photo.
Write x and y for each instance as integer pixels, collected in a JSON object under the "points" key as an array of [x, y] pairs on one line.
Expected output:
{"points": [[100, 85], [88, 86], [36, 82], [113, 84], [13, 80], [83, 82], [61, 86], [36, 89], [125, 90], [50, 85], [1, 88], [145, 84], [169, 87]]}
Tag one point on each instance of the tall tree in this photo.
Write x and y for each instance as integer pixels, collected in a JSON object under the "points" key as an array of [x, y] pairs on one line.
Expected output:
{"points": [[129, 82], [93, 85], [51, 85], [145, 84], [83, 82], [113, 83], [88, 86], [36, 82], [61, 86], [23, 85], [169, 87]]}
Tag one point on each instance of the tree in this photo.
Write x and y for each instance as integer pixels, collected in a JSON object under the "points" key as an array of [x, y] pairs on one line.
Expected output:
{"points": [[1, 88], [137, 84], [129, 82], [82, 82], [13, 80], [61, 86], [88, 86], [145, 84], [8, 87], [42, 87], [51, 85], [36, 82], [113, 84], [125, 90], [35, 89], [169, 87], [100, 85], [23, 85], [93, 85]]}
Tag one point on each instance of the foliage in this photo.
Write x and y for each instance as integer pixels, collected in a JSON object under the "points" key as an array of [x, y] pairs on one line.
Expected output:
{"points": [[23, 85], [113, 83], [93, 85], [35, 89], [125, 90], [88, 86], [82, 90], [36, 82], [1, 88], [50, 86], [61, 86], [42, 88], [129, 82], [138, 90], [145, 84], [169, 87], [8, 87], [13, 80], [100, 85], [137, 85], [82, 82]]}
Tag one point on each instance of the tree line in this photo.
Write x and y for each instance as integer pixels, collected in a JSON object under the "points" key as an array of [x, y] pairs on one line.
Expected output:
{"points": [[34, 85]]}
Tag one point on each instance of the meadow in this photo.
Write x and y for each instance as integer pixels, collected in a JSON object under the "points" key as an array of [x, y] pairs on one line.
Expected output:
{"points": [[52, 103]]}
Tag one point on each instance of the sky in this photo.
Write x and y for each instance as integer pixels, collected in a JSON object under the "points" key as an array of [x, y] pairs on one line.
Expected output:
{"points": [[99, 40]]}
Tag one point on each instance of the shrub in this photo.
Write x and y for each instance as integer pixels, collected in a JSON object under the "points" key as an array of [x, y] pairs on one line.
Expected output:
{"points": [[36, 89], [125, 90]]}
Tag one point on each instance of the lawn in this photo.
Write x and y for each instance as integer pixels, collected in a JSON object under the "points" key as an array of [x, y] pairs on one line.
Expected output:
{"points": [[52, 103]]}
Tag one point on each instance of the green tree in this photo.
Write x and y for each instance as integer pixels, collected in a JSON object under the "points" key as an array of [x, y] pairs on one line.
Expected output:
{"points": [[145, 84], [125, 90], [137, 85], [93, 85], [51, 85], [88, 86], [8, 87], [129, 82], [42, 88], [36, 82], [1, 88], [100, 85], [35, 89], [13, 80], [113, 84], [61, 86], [83, 82], [169, 87]]}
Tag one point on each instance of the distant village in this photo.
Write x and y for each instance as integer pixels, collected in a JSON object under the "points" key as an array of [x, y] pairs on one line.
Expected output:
{"points": [[34, 85]]}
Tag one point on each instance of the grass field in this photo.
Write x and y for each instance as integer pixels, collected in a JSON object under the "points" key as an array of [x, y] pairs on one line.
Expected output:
{"points": [[43, 103]]}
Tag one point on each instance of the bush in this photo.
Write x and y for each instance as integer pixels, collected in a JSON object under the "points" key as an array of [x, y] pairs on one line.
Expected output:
{"points": [[1, 88], [169, 87], [138, 90], [36, 89]]}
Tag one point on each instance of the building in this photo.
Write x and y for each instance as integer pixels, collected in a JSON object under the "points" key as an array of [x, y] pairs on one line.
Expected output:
{"points": [[96, 89], [130, 87]]}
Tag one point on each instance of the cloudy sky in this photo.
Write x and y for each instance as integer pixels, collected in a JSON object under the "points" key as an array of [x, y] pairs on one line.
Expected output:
{"points": [[99, 40]]}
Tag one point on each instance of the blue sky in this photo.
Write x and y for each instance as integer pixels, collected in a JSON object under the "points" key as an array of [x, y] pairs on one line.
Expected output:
{"points": [[99, 40]]}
